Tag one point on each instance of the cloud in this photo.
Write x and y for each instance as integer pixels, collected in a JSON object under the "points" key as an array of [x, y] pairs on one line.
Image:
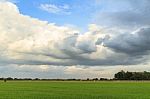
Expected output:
{"points": [[125, 14], [30, 41], [135, 43], [56, 9]]}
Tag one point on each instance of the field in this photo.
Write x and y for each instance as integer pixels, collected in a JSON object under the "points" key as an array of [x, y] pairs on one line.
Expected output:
{"points": [[74, 90]]}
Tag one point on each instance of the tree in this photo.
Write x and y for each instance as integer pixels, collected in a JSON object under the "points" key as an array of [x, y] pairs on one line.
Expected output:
{"points": [[132, 75], [120, 75], [95, 79]]}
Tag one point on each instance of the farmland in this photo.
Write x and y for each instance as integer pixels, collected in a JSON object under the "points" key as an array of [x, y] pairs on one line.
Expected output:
{"points": [[74, 90]]}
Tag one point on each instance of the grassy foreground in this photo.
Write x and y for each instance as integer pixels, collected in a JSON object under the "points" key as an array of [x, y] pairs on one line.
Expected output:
{"points": [[74, 90]]}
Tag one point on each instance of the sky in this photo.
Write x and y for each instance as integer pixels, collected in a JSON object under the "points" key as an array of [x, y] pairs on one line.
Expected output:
{"points": [[73, 38]]}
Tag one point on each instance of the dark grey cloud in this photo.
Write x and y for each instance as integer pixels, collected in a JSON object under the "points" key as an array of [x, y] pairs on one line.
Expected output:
{"points": [[136, 43]]}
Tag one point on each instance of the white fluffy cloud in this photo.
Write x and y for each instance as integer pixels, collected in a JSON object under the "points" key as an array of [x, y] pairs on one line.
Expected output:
{"points": [[29, 41]]}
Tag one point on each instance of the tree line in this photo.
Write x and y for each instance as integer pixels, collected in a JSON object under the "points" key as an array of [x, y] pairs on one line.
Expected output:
{"points": [[122, 75], [88, 79]]}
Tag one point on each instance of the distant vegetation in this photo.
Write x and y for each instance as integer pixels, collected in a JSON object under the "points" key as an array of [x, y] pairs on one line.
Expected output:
{"points": [[122, 75], [34, 79]]}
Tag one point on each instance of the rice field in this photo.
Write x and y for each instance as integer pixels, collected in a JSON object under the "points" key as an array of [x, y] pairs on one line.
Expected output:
{"points": [[74, 90]]}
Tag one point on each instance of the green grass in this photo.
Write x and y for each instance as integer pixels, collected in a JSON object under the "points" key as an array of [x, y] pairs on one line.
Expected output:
{"points": [[74, 90]]}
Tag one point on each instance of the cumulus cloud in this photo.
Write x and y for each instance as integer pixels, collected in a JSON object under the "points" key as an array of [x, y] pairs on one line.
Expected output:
{"points": [[135, 43], [29, 41], [55, 9]]}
